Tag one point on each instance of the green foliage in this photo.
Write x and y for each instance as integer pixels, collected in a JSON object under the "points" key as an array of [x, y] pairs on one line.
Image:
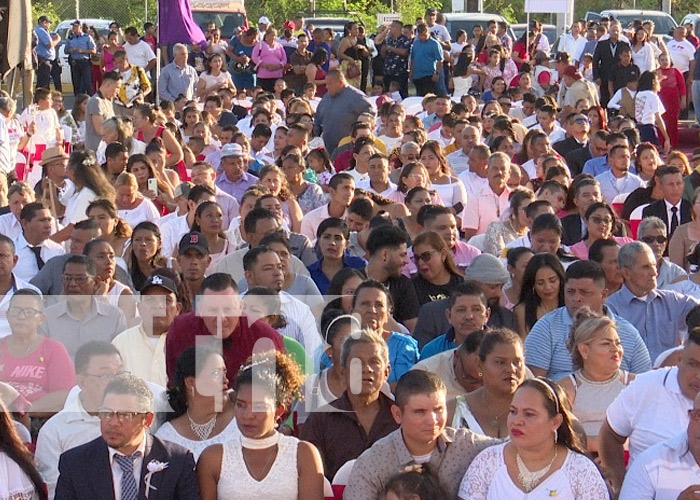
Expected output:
{"points": [[47, 8]]}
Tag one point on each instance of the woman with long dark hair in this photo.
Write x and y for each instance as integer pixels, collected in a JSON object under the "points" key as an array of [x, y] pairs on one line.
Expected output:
{"points": [[544, 453], [202, 410], [438, 274], [541, 293], [143, 255], [314, 71], [88, 183], [22, 480]]}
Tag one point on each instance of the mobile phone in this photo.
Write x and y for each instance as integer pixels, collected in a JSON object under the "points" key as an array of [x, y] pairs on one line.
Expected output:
{"points": [[153, 185], [458, 208]]}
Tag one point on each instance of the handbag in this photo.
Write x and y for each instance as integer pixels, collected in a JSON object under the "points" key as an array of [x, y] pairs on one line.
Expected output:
{"points": [[353, 70]]}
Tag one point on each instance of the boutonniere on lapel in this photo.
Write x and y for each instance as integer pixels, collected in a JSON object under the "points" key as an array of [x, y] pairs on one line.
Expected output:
{"points": [[552, 493], [153, 467]]}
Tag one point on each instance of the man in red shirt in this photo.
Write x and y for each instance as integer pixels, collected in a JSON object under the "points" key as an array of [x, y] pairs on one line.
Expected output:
{"points": [[217, 322]]}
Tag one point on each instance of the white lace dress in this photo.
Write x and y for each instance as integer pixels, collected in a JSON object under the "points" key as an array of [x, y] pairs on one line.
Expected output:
{"points": [[487, 479], [281, 483], [167, 432], [14, 483]]}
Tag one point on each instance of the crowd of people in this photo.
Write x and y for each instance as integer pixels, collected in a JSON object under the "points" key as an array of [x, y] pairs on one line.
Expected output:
{"points": [[278, 283]]}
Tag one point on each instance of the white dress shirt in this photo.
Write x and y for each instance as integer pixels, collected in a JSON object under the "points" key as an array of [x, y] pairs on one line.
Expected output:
{"points": [[650, 410], [301, 325], [9, 225], [27, 266], [459, 161], [669, 213], [662, 471], [69, 428], [117, 470]]}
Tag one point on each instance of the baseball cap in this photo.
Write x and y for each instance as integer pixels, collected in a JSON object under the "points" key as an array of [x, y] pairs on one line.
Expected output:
{"points": [[193, 239], [264, 20], [75, 22], [430, 11], [182, 189], [233, 149], [488, 269], [160, 281]]}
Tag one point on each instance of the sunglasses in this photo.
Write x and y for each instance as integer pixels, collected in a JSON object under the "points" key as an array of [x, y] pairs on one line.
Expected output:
{"points": [[658, 239], [425, 257], [601, 220], [581, 120]]}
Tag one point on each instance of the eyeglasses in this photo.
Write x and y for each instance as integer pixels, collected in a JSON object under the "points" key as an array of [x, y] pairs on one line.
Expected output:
{"points": [[122, 416], [105, 377], [27, 312], [601, 220], [658, 239], [694, 415], [80, 280], [425, 256]]}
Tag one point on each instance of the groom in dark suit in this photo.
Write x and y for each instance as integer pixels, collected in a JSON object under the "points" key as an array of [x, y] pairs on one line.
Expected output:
{"points": [[672, 209], [605, 58], [126, 462]]}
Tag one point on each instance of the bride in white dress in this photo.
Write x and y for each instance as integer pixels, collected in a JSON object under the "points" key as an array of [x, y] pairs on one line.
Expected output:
{"points": [[543, 459], [261, 462]]}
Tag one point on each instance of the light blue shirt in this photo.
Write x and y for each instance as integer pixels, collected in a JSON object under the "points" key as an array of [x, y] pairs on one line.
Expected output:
{"points": [[174, 81], [403, 354], [611, 186], [659, 319], [82, 41], [596, 166], [443, 343], [424, 57], [44, 49], [545, 345]]}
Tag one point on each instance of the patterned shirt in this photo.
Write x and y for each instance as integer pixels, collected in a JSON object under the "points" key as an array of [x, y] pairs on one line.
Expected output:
{"points": [[395, 64]]}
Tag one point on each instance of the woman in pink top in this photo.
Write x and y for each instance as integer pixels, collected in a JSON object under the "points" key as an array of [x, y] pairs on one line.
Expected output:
{"points": [[38, 367], [270, 58], [600, 220], [107, 62]]}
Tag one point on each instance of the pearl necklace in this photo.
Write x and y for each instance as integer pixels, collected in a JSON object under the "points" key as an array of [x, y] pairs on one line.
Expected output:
{"points": [[529, 479], [203, 431]]}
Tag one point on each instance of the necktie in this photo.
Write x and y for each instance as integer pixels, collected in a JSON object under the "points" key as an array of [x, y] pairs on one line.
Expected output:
{"points": [[130, 490], [674, 220], [37, 255]]}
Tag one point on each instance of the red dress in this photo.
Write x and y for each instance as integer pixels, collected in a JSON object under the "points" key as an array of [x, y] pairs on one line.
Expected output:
{"points": [[181, 167], [320, 75], [672, 88]]}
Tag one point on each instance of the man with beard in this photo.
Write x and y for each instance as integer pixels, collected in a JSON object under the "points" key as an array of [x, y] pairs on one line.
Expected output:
{"points": [[388, 254]]}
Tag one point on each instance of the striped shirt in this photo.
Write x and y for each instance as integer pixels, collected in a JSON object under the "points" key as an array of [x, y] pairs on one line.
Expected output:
{"points": [[545, 345]]}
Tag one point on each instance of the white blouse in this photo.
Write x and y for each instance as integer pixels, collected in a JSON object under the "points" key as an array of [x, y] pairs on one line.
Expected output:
{"points": [[487, 479], [14, 483]]}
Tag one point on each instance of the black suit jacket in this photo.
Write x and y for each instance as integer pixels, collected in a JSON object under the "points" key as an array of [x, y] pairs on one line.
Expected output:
{"points": [[658, 208], [603, 60], [571, 224], [577, 158], [85, 473], [567, 146]]}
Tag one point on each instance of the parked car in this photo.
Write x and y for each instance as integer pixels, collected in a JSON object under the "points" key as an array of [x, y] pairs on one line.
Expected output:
{"points": [[226, 14], [549, 30], [693, 19], [467, 21], [64, 29], [664, 24]]}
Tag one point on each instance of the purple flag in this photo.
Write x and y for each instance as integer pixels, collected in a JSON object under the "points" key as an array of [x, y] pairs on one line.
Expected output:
{"points": [[177, 24]]}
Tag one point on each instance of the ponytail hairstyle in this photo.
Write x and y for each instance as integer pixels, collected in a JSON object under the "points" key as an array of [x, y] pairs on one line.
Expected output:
{"points": [[122, 228], [556, 403]]}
